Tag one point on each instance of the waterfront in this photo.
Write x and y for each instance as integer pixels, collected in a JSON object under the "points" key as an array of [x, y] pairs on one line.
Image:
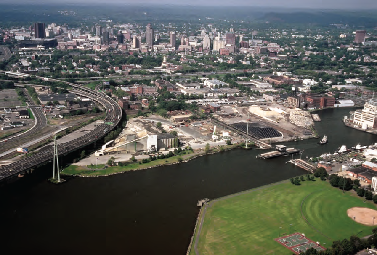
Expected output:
{"points": [[144, 212]]}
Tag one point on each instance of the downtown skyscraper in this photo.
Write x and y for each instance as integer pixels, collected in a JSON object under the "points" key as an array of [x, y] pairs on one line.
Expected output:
{"points": [[149, 35]]}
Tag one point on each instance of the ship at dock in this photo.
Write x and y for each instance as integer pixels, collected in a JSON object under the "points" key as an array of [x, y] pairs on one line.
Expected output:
{"points": [[324, 140]]}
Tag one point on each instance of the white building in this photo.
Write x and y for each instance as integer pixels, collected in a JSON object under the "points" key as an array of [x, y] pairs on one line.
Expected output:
{"points": [[309, 82], [214, 82], [367, 117], [344, 103], [206, 43]]}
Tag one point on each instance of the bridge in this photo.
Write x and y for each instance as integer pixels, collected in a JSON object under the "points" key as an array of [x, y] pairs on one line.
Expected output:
{"points": [[250, 137], [46, 153], [303, 164]]}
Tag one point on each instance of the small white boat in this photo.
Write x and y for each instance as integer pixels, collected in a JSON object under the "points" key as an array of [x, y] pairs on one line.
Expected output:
{"points": [[323, 140]]}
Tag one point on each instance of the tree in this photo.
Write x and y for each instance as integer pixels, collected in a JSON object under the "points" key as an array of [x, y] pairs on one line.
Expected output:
{"points": [[159, 125], [302, 178], [207, 149], [360, 192], [375, 199], [320, 172], [111, 161], [334, 180], [368, 195]]}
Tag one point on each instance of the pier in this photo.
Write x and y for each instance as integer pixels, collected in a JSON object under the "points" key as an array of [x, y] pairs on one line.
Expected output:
{"points": [[281, 151], [303, 164], [202, 202]]}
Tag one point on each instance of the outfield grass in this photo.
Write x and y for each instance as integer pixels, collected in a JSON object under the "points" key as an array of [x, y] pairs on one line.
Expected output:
{"points": [[249, 222]]}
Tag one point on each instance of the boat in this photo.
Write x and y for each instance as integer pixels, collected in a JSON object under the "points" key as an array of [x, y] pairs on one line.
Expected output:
{"points": [[323, 140]]}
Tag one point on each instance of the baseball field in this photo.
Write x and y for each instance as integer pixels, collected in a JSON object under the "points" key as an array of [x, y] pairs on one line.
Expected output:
{"points": [[248, 222]]}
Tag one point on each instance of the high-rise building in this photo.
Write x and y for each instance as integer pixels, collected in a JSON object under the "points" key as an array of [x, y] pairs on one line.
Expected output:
{"points": [[218, 43], [206, 43], [172, 39], [39, 30], [98, 30], [149, 35], [135, 42], [230, 39], [127, 35], [360, 36], [105, 37], [120, 37]]}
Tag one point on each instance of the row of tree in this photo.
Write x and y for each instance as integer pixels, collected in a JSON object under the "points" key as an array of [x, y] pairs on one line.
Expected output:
{"points": [[346, 246]]}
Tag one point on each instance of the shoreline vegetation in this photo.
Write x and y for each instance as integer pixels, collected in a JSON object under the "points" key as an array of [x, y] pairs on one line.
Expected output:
{"points": [[93, 171]]}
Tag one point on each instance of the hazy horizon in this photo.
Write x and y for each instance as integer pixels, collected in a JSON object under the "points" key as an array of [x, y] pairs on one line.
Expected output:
{"points": [[296, 4]]}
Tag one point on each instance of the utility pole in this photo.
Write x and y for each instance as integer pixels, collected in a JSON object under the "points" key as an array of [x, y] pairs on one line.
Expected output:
{"points": [[247, 129], [55, 163]]}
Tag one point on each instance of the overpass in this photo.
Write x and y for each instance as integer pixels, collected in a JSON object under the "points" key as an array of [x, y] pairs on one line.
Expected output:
{"points": [[45, 154]]}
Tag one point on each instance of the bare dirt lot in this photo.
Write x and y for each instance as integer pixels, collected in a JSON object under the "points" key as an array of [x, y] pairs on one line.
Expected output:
{"points": [[362, 215]]}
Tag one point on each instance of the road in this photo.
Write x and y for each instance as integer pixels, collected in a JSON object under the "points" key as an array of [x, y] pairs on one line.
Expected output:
{"points": [[39, 129], [45, 154]]}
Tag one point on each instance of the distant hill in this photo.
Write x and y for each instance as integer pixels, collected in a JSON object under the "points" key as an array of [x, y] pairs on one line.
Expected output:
{"points": [[323, 18]]}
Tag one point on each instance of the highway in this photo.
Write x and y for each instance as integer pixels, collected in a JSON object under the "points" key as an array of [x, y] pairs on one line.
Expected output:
{"points": [[9, 143], [45, 154]]}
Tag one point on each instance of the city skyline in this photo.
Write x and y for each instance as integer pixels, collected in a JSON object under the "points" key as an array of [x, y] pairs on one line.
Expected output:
{"points": [[333, 4]]}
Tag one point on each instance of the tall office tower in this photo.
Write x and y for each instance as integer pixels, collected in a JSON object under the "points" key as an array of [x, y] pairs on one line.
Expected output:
{"points": [[106, 37], [98, 30], [135, 42], [183, 40], [149, 35], [206, 43], [360, 36], [172, 39], [230, 39], [120, 37], [39, 30]]}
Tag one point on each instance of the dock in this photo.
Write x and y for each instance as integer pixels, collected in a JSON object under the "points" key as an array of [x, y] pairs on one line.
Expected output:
{"points": [[271, 154], [303, 164], [316, 117], [202, 202], [281, 151]]}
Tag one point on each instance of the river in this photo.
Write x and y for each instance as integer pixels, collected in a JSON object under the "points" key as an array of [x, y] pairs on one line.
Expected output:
{"points": [[143, 212]]}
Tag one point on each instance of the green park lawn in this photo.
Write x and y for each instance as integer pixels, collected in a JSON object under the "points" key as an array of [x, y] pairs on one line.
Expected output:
{"points": [[247, 223], [88, 171]]}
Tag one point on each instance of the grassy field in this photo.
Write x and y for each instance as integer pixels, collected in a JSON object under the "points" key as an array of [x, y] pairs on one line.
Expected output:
{"points": [[249, 222], [84, 171]]}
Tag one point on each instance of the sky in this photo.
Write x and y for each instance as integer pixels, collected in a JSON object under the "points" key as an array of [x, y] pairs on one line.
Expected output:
{"points": [[317, 4]]}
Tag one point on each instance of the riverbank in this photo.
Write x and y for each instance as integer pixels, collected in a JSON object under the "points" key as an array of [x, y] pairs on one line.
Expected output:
{"points": [[89, 171], [252, 219]]}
